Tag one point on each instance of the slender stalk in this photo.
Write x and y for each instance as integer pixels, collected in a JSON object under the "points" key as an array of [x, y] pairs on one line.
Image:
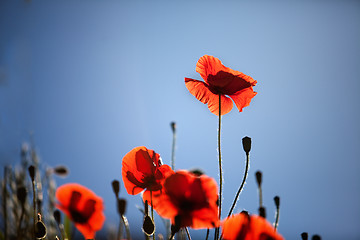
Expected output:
{"points": [[34, 205], [220, 168], [188, 233], [5, 203], [277, 219], [127, 227], [172, 236], [152, 213], [173, 127], [242, 184], [207, 234], [120, 232], [19, 232]]}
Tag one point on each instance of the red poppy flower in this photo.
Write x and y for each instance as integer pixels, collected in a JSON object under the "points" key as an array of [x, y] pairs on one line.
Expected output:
{"points": [[245, 227], [143, 169], [220, 80], [190, 198], [82, 206]]}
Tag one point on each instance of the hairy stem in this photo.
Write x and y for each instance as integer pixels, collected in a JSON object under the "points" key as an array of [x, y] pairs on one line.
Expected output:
{"points": [[242, 184]]}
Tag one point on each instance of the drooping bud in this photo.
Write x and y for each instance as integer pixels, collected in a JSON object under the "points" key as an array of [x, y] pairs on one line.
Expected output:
{"points": [[148, 226], [121, 206], [116, 187], [246, 141], [32, 172], [258, 176], [304, 236]]}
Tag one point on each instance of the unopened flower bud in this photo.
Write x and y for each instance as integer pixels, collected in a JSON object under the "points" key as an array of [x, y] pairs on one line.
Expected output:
{"points": [[61, 171], [173, 126], [21, 195], [176, 227], [246, 141], [57, 216], [121, 206], [32, 172], [316, 237], [258, 175], [262, 212], [116, 187], [148, 226], [40, 228], [277, 201], [304, 236]]}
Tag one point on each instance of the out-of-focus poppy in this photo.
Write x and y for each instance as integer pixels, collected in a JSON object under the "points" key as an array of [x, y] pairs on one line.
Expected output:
{"points": [[221, 80], [245, 227], [83, 207], [142, 168], [191, 199]]}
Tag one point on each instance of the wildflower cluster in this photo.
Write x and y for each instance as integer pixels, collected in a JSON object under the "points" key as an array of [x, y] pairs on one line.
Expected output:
{"points": [[188, 199]]}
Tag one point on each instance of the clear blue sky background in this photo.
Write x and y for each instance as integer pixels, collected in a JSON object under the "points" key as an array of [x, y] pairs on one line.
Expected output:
{"points": [[93, 79]]}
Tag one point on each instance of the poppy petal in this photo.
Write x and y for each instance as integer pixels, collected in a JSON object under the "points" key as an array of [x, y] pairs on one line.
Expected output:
{"points": [[205, 218], [82, 206], [135, 164], [202, 92], [243, 98], [208, 65]]}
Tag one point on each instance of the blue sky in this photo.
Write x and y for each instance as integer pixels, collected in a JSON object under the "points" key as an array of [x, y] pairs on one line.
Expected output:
{"points": [[93, 80]]}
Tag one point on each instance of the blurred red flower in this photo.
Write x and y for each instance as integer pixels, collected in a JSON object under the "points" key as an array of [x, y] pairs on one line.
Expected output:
{"points": [[82, 206], [190, 198], [142, 168], [245, 227], [221, 80]]}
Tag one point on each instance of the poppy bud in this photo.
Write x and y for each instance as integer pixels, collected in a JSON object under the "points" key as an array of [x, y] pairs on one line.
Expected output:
{"points": [[21, 195], [197, 172], [316, 237], [262, 212], [304, 236], [40, 228], [61, 171], [32, 172], [246, 141], [148, 226], [258, 175], [121, 206], [176, 227], [116, 187], [277, 201], [57, 216], [173, 126]]}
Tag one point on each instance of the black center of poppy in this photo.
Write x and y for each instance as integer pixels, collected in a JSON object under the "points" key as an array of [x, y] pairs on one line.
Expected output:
{"points": [[80, 215]]}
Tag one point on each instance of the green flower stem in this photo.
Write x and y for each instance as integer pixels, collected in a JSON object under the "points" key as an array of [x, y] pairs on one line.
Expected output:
{"points": [[188, 233], [242, 184], [34, 205], [152, 213], [217, 230]]}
